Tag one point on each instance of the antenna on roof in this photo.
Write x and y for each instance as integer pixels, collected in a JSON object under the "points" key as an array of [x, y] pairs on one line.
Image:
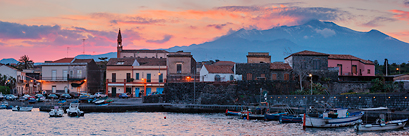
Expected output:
{"points": [[83, 45]]}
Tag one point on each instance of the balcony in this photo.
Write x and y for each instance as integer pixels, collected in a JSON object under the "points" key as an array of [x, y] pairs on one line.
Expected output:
{"points": [[62, 78]]}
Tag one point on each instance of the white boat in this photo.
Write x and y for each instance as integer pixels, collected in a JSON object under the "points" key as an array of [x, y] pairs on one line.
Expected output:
{"points": [[56, 112], [74, 111], [333, 118], [18, 108], [380, 124]]}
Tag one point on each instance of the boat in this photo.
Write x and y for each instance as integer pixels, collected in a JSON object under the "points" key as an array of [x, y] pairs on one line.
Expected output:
{"points": [[56, 112], [74, 111], [232, 113], [99, 102], [290, 119], [274, 116], [380, 124], [336, 117], [248, 114], [18, 108]]}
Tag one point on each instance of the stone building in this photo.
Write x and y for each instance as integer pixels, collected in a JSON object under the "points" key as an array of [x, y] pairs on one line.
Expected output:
{"points": [[258, 57], [281, 71], [254, 71], [308, 62], [181, 67]]}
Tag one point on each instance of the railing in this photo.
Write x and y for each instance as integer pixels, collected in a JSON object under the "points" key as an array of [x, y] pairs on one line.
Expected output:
{"points": [[183, 78], [62, 78], [135, 81]]}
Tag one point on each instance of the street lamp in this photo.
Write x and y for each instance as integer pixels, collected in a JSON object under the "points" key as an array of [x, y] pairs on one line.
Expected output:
{"points": [[5, 84], [397, 69], [310, 75]]}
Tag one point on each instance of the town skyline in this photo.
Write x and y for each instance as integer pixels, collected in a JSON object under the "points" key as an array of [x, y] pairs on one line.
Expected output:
{"points": [[45, 35]]}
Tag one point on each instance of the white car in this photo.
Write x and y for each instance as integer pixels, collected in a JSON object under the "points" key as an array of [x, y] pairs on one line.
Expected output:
{"points": [[100, 94], [26, 96]]}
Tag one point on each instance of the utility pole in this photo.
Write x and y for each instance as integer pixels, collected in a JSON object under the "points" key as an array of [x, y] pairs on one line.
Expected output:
{"points": [[83, 46]]}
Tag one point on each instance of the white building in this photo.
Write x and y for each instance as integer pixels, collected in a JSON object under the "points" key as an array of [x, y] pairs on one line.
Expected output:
{"points": [[218, 73], [16, 74]]}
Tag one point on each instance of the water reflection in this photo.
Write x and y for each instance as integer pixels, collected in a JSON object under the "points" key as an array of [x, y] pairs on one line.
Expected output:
{"points": [[136, 123]]}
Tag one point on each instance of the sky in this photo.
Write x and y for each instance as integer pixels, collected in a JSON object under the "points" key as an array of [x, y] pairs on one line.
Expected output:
{"points": [[54, 29]]}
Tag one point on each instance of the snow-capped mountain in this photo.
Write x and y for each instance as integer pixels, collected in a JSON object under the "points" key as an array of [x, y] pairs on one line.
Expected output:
{"points": [[8, 61]]}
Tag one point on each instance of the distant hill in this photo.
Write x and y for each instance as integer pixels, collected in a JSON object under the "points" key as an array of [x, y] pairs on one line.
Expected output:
{"points": [[8, 61], [315, 35]]}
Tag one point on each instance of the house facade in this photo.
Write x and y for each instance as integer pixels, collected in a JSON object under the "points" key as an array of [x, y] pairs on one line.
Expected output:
{"points": [[281, 71], [135, 76], [218, 73], [22, 85], [70, 75], [258, 57], [181, 67], [349, 65]]}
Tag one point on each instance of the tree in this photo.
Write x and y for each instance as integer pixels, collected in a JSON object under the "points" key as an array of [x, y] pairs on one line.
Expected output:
{"points": [[25, 62]]}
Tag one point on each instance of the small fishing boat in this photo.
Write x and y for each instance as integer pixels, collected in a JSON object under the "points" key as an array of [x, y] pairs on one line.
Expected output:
{"points": [[74, 111], [247, 114], [18, 108], [336, 117], [56, 112], [232, 113], [290, 119], [273, 116], [380, 124]]}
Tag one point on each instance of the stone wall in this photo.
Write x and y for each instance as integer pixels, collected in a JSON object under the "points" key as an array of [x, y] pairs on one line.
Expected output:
{"points": [[255, 69], [345, 87]]}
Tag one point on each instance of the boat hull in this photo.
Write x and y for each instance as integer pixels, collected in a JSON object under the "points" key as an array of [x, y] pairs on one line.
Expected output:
{"points": [[56, 113], [378, 127], [276, 116], [232, 113], [22, 109], [290, 119], [330, 123]]}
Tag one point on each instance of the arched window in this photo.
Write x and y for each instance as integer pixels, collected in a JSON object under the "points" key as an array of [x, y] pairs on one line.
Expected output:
{"points": [[231, 77], [217, 78]]}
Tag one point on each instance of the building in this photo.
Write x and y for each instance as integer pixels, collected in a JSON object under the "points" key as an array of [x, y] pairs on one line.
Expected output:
{"points": [[71, 75], [315, 63], [221, 71], [181, 67], [281, 71], [121, 53], [135, 76], [258, 57], [349, 65], [22, 85]]}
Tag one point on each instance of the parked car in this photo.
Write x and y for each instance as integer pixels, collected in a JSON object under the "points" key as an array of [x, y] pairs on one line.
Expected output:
{"points": [[66, 96], [123, 95], [52, 96], [1, 97], [40, 99], [26, 96], [75, 95], [100, 94], [21, 99], [11, 97], [38, 95]]}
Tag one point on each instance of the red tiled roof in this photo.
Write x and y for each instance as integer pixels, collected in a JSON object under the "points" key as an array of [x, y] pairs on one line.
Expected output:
{"points": [[219, 69], [151, 61], [348, 57], [63, 60], [308, 53], [219, 63], [280, 66], [144, 51], [125, 61]]}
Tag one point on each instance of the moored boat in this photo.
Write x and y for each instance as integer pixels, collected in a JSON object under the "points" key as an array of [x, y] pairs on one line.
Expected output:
{"points": [[290, 119], [380, 124], [56, 112], [18, 108], [333, 118], [273, 116], [232, 113], [74, 111]]}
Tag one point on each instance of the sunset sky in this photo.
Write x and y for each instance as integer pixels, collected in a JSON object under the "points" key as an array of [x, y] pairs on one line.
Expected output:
{"points": [[45, 29]]}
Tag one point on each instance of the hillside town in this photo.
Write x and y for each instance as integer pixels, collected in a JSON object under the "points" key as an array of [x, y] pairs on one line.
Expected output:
{"points": [[147, 72]]}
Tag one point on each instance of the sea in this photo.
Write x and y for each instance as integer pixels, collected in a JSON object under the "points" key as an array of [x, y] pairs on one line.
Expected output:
{"points": [[158, 124]]}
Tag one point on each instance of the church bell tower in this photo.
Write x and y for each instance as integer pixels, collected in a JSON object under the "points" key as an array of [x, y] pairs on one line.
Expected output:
{"points": [[119, 45]]}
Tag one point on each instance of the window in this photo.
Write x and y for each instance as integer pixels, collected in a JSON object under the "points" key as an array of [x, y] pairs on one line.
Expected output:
{"points": [[128, 77], [161, 78], [79, 73], [178, 68], [64, 74], [249, 76], [316, 64], [54, 75], [231, 77], [274, 76], [113, 77], [354, 70], [148, 77], [263, 75], [369, 71], [340, 68], [136, 76], [286, 76], [217, 78], [71, 73]]}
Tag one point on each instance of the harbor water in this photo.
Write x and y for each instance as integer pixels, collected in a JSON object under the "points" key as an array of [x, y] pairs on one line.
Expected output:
{"points": [[154, 123]]}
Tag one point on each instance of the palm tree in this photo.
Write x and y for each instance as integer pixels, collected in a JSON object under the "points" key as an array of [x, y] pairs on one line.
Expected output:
{"points": [[25, 62]]}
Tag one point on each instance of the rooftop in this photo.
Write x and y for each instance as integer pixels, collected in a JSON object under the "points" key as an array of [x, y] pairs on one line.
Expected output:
{"points": [[121, 61], [219, 69], [144, 51], [63, 60], [348, 57], [152, 61], [280, 66], [308, 53]]}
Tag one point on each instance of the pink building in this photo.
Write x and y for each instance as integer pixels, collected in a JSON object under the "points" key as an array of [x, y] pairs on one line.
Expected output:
{"points": [[351, 66]]}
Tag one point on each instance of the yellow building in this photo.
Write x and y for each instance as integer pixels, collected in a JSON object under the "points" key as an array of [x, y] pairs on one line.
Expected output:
{"points": [[135, 76]]}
